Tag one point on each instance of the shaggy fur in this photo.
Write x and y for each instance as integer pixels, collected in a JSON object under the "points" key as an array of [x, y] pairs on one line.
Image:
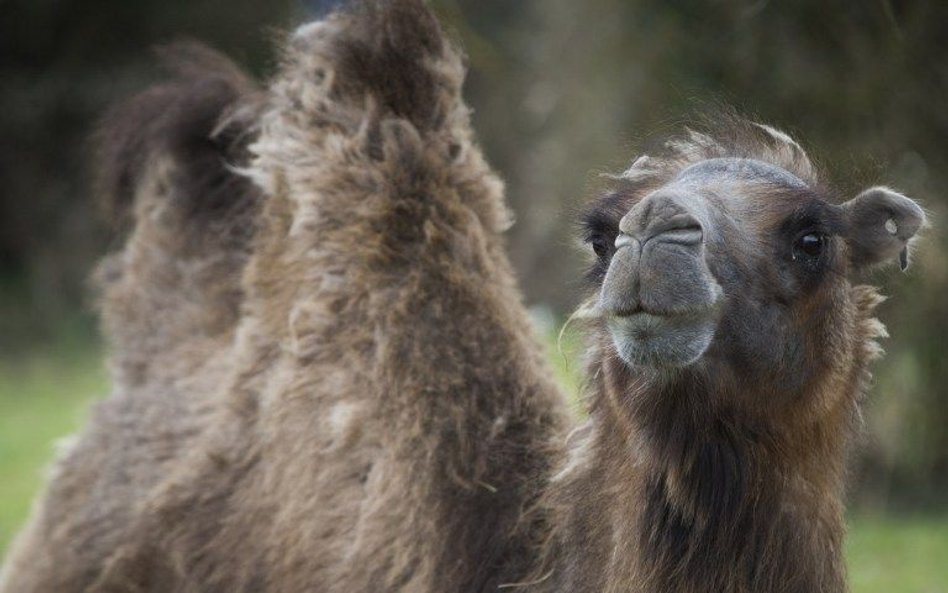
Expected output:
{"points": [[170, 302], [384, 419], [330, 384]]}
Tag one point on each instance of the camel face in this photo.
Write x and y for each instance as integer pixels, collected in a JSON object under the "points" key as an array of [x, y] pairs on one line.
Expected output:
{"points": [[738, 262], [715, 251]]}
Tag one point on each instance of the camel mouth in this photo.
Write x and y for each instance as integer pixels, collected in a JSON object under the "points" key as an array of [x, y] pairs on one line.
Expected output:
{"points": [[662, 340]]}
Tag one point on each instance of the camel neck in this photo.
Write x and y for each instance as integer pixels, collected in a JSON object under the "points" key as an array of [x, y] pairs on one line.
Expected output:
{"points": [[720, 517], [722, 505]]}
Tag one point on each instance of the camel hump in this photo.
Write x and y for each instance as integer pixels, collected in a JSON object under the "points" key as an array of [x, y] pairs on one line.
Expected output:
{"points": [[183, 137], [366, 109], [168, 178]]}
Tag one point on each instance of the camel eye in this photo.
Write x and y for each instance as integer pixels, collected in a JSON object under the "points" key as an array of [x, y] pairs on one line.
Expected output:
{"points": [[601, 247], [809, 246]]}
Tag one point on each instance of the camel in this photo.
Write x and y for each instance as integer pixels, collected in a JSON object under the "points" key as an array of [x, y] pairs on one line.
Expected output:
{"points": [[361, 404]]}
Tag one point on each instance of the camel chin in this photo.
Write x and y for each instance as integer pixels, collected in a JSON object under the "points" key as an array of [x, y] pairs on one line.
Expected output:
{"points": [[662, 341]]}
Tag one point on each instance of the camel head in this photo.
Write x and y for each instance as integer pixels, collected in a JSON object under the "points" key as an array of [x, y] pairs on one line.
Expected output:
{"points": [[725, 257]]}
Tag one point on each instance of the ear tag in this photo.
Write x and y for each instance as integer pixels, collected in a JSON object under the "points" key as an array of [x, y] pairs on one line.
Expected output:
{"points": [[893, 229]]}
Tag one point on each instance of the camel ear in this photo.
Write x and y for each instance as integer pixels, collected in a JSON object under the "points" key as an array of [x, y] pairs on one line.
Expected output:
{"points": [[880, 224]]}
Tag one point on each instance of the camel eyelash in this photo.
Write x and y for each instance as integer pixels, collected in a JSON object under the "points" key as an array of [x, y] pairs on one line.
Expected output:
{"points": [[597, 225], [815, 217]]}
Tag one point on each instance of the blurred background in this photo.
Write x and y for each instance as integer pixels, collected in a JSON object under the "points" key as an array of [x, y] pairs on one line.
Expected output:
{"points": [[562, 91]]}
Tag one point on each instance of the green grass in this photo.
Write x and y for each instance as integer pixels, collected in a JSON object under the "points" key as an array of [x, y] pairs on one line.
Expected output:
{"points": [[44, 398], [889, 554]]}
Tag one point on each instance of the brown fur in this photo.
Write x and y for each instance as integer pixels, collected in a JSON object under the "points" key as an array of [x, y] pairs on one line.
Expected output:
{"points": [[335, 388], [384, 419]]}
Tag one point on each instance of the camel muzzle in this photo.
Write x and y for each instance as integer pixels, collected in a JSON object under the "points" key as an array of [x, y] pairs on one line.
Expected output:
{"points": [[659, 297]]}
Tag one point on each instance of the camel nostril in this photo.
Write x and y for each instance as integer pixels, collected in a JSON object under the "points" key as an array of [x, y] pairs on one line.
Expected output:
{"points": [[681, 229], [673, 216], [680, 222]]}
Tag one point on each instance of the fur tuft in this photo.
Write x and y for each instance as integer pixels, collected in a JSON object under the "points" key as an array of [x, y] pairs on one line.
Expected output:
{"points": [[719, 135], [387, 53], [201, 119]]}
